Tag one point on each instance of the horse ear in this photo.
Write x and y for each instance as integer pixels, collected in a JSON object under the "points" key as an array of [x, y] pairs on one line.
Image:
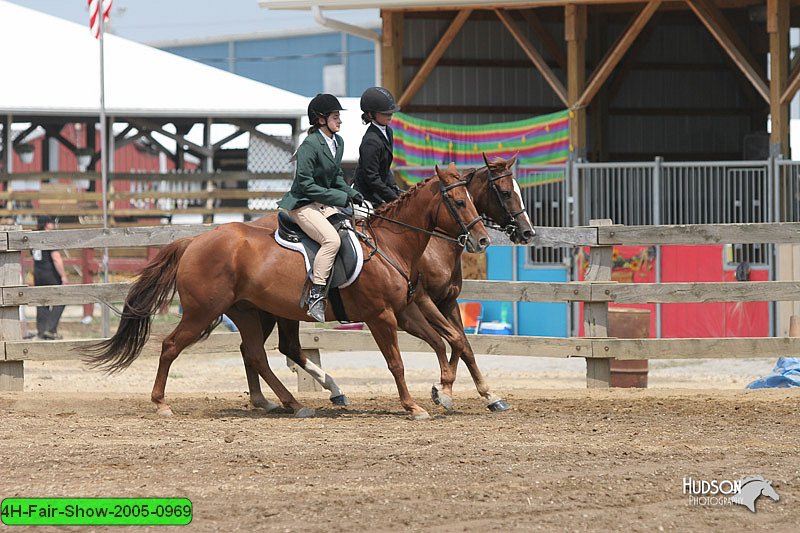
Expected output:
{"points": [[485, 159], [469, 174], [438, 171], [510, 162], [452, 171]]}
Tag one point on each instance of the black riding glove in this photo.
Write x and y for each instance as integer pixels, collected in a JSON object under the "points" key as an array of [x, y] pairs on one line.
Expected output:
{"points": [[358, 199]]}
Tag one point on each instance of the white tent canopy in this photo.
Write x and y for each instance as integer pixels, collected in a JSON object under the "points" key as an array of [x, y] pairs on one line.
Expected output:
{"points": [[51, 67]]}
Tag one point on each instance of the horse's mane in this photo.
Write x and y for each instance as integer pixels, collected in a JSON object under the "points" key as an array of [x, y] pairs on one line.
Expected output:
{"points": [[397, 203]]}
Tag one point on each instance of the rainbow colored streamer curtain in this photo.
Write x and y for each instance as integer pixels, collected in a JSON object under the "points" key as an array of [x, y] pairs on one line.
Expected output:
{"points": [[424, 143]]}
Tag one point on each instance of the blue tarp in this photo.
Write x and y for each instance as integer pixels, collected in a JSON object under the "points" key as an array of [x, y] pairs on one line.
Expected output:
{"points": [[785, 374]]}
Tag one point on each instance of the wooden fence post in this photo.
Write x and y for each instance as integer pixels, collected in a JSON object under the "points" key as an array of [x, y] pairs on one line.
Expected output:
{"points": [[12, 373], [305, 383], [595, 314]]}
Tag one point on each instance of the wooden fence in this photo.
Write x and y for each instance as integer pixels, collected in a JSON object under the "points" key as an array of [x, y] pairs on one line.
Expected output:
{"points": [[596, 292], [133, 196]]}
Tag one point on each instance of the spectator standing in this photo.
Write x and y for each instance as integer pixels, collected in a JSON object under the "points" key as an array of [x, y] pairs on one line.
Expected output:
{"points": [[48, 269]]}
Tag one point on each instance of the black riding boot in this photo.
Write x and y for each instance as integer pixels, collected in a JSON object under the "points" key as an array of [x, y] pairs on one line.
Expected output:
{"points": [[316, 303]]}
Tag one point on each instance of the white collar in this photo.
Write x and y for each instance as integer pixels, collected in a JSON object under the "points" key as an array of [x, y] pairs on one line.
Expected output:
{"points": [[382, 128], [331, 142]]}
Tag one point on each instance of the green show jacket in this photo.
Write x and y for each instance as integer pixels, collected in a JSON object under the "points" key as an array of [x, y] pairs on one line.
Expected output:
{"points": [[319, 176]]}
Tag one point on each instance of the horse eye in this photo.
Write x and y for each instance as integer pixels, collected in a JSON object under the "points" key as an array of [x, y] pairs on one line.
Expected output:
{"points": [[506, 194], [461, 203]]}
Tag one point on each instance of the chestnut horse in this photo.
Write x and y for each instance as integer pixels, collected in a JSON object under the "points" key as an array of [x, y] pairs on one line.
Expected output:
{"points": [[237, 268], [434, 313]]}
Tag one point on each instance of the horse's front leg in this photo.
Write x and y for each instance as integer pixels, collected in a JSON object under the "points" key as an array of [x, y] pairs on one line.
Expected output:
{"points": [[415, 323], [384, 331], [453, 332]]}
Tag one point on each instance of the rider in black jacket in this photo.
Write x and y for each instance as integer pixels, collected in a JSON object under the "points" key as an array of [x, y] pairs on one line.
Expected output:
{"points": [[373, 178]]}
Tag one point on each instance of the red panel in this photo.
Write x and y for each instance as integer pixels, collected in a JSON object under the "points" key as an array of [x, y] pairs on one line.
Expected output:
{"points": [[729, 319], [695, 264]]}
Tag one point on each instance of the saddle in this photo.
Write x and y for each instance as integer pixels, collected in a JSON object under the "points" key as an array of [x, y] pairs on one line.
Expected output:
{"points": [[347, 265]]}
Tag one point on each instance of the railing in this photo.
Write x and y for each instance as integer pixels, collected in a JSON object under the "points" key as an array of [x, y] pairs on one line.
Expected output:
{"points": [[133, 196], [596, 293]]}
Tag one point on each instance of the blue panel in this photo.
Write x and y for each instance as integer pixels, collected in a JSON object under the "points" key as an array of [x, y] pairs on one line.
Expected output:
{"points": [[291, 63], [215, 55], [541, 319], [360, 65]]}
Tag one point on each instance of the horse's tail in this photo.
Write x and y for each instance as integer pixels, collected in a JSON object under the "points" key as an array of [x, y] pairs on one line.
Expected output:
{"points": [[154, 288]]}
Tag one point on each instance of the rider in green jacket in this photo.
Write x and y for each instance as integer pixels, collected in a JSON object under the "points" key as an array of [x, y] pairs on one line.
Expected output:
{"points": [[318, 186]]}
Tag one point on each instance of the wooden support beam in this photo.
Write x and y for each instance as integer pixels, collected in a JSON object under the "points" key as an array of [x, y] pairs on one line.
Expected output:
{"points": [[392, 50], [616, 53], [575, 31], [547, 40], [430, 63], [217, 145], [716, 23], [21, 137], [630, 60], [793, 84], [143, 124], [263, 136], [778, 28], [535, 57]]}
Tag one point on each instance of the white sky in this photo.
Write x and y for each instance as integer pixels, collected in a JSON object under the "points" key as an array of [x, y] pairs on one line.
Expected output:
{"points": [[161, 20]]}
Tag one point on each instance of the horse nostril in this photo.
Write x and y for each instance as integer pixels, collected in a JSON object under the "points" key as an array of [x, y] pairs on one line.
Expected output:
{"points": [[484, 242], [528, 234]]}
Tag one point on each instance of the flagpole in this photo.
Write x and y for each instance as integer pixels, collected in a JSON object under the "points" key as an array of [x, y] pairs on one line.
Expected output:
{"points": [[103, 163]]}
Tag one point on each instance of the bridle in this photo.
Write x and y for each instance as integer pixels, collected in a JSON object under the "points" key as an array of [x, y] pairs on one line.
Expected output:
{"points": [[510, 227], [465, 228], [448, 202], [461, 240]]}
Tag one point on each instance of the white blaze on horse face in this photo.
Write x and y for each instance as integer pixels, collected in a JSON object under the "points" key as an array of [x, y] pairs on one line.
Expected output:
{"points": [[521, 202], [323, 379]]}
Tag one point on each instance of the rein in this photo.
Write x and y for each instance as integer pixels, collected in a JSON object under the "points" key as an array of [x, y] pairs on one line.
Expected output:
{"points": [[461, 240]]}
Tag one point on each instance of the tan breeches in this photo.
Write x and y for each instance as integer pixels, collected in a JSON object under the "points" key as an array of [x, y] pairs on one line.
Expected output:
{"points": [[312, 218]]}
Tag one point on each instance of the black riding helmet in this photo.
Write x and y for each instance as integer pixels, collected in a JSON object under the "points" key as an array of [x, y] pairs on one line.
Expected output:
{"points": [[322, 105], [378, 100]]}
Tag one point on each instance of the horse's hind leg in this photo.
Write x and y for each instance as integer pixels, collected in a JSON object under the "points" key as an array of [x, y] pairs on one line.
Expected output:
{"points": [[414, 323], [249, 325], [289, 345], [182, 336], [257, 398]]}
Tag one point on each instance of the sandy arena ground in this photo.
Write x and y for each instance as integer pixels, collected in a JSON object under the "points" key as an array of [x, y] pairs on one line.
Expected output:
{"points": [[564, 458]]}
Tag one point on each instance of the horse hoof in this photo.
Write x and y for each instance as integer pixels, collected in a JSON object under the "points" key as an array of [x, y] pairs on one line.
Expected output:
{"points": [[420, 416], [498, 406], [305, 412], [440, 398], [340, 400], [265, 404], [164, 411]]}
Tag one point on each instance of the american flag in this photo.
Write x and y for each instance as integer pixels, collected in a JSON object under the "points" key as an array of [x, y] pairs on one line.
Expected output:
{"points": [[94, 19]]}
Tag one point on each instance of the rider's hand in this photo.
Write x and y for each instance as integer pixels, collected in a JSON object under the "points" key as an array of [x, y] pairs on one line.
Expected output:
{"points": [[358, 199]]}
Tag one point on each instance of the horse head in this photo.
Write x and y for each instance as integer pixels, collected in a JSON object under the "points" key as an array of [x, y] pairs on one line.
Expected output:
{"points": [[499, 198], [769, 491], [461, 218]]}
